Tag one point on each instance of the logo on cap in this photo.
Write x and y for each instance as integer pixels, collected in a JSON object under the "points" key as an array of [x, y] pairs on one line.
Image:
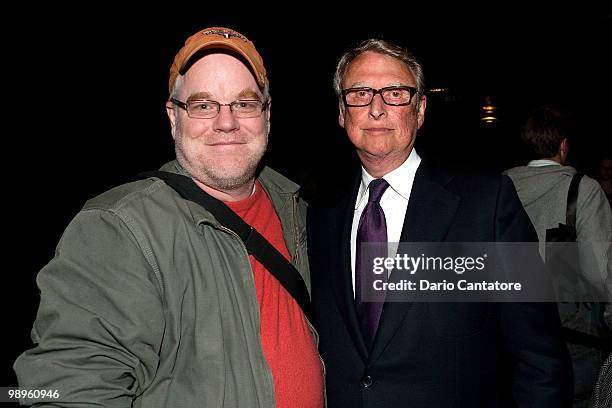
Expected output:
{"points": [[225, 33]]}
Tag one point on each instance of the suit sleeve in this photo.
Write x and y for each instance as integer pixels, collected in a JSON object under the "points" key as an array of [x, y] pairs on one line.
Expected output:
{"points": [[100, 320], [541, 368]]}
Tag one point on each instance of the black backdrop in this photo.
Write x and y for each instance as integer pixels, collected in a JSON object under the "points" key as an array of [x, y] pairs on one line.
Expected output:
{"points": [[85, 91]]}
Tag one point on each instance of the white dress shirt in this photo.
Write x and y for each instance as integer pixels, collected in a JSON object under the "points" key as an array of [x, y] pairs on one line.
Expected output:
{"points": [[394, 201]]}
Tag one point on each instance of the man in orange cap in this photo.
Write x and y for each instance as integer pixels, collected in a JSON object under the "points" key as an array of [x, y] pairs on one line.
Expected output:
{"points": [[188, 287]]}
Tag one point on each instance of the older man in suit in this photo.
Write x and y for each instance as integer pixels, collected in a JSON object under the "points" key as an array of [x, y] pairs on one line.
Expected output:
{"points": [[419, 354]]}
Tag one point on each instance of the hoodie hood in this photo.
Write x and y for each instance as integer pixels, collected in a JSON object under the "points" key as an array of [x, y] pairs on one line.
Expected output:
{"points": [[540, 183]]}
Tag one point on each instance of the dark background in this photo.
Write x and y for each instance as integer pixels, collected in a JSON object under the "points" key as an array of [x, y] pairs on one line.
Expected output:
{"points": [[85, 91]]}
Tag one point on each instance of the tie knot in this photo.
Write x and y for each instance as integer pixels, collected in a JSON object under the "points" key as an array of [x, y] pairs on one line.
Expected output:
{"points": [[377, 188]]}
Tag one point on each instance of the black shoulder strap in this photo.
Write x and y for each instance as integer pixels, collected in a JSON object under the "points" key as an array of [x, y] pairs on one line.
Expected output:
{"points": [[572, 198], [255, 243]]}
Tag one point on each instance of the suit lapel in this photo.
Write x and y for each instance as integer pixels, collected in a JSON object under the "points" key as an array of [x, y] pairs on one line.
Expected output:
{"points": [[430, 212], [342, 280]]}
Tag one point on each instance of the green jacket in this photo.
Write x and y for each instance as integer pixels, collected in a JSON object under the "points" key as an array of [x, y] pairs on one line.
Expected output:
{"points": [[149, 302]]}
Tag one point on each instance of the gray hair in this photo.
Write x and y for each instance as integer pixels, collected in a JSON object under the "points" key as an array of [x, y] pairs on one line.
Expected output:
{"points": [[385, 48]]}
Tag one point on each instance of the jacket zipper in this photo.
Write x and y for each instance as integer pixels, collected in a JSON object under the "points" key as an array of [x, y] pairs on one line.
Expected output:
{"points": [[268, 371], [296, 233]]}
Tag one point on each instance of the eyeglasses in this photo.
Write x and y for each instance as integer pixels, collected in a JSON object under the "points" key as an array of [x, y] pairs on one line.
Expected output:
{"points": [[205, 109], [391, 95]]}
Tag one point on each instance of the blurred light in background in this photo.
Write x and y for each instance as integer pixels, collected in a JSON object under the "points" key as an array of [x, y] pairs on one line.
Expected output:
{"points": [[488, 111]]}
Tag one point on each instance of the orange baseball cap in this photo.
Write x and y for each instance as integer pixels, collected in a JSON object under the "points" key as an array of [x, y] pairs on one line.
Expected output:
{"points": [[218, 38]]}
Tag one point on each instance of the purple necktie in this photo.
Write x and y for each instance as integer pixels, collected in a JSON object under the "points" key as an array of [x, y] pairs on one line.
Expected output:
{"points": [[372, 228]]}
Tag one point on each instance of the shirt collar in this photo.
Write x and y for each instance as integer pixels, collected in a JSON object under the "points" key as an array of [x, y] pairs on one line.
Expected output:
{"points": [[396, 178], [542, 162]]}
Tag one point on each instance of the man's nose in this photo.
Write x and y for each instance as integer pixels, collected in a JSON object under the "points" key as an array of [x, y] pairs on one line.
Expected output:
{"points": [[377, 107], [225, 120]]}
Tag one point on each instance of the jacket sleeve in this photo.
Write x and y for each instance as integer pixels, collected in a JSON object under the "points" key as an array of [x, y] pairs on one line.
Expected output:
{"points": [[541, 368], [594, 234], [100, 320]]}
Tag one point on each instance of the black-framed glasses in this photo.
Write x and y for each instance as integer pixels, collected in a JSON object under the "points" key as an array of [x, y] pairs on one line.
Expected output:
{"points": [[205, 109], [391, 95]]}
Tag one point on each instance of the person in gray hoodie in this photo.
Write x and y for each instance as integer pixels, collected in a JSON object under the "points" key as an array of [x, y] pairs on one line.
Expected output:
{"points": [[542, 187]]}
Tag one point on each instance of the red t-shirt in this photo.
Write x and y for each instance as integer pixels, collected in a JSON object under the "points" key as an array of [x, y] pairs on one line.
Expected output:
{"points": [[288, 344]]}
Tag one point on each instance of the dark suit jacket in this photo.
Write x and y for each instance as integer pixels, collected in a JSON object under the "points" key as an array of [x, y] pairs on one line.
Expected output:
{"points": [[436, 354]]}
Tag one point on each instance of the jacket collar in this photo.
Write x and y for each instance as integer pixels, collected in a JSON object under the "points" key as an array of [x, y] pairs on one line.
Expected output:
{"points": [[279, 188], [270, 179]]}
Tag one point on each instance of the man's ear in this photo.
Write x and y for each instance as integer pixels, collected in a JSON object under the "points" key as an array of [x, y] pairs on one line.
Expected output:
{"points": [[421, 112], [172, 116], [268, 115], [564, 147], [341, 110], [563, 150], [269, 109]]}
